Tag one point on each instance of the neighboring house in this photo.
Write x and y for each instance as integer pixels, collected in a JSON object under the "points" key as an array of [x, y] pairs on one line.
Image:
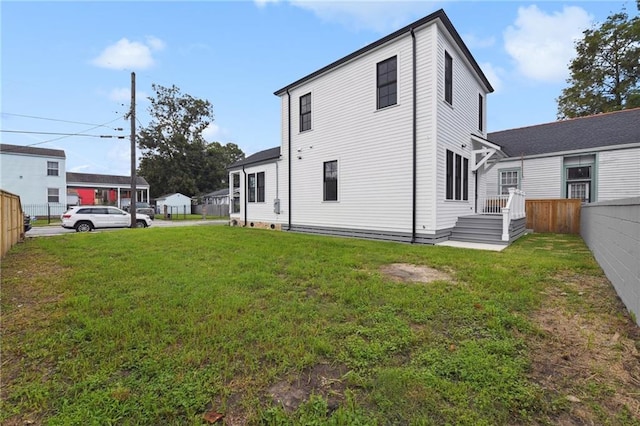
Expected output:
{"points": [[218, 197], [593, 158], [37, 175], [97, 189], [388, 142], [175, 203]]}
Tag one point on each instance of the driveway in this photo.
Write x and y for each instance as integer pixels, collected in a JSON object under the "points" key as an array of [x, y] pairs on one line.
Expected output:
{"points": [[50, 230]]}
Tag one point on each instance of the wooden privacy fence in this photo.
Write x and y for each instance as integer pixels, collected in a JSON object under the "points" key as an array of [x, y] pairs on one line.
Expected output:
{"points": [[560, 216], [11, 221]]}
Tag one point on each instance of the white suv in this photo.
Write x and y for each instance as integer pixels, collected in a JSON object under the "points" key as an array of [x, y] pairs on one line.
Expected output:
{"points": [[87, 218]]}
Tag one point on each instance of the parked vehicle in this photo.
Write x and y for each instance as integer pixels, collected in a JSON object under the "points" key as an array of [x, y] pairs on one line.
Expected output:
{"points": [[87, 218], [143, 208], [27, 222]]}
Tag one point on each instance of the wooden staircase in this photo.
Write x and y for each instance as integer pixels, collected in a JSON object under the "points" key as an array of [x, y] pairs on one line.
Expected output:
{"points": [[478, 229]]}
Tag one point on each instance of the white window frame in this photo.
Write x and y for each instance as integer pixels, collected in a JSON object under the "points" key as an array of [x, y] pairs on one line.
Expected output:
{"points": [[53, 192], [53, 168]]}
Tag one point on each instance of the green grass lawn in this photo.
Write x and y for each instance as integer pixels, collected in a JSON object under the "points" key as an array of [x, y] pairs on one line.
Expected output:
{"points": [[160, 326]]}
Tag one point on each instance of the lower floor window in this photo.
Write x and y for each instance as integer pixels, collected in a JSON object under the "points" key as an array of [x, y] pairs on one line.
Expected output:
{"points": [[330, 181], [53, 195], [508, 179], [457, 177], [579, 183], [255, 187]]}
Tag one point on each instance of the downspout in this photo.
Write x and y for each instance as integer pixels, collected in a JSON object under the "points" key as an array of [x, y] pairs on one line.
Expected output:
{"points": [[246, 195], [415, 140], [289, 153]]}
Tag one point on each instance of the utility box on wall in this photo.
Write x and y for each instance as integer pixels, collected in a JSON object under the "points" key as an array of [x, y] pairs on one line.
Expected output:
{"points": [[276, 206]]}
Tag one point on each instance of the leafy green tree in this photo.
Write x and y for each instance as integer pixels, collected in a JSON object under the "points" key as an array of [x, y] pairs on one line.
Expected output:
{"points": [[605, 75], [175, 156]]}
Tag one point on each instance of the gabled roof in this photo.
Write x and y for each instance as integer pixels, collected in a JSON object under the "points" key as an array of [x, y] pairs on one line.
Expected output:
{"points": [[258, 157], [584, 133], [165, 196], [90, 178], [31, 150], [219, 193], [439, 14]]}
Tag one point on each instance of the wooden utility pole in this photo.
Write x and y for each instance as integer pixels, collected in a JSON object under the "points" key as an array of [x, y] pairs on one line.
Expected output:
{"points": [[132, 116]]}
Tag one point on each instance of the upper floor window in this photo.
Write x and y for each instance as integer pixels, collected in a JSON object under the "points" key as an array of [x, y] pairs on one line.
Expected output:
{"points": [[480, 112], [457, 177], [448, 78], [305, 112], [52, 168], [508, 179], [330, 190], [387, 82], [53, 195]]}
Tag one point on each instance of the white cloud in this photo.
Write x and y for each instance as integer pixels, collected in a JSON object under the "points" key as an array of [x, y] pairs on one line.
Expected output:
{"points": [[120, 94], [541, 44], [472, 41], [493, 75], [125, 54], [155, 43], [263, 3], [378, 15], [215, 133]]}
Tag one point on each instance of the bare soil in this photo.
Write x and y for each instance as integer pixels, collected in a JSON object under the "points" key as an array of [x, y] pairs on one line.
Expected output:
{"points": [[587, 352], [413, 273]]}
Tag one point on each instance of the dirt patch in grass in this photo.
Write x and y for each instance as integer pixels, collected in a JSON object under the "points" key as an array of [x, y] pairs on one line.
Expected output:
{"points": [[405, 272], [587, 352], [325, 380]]}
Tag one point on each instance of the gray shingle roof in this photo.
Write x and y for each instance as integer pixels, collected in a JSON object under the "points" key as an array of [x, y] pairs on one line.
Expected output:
{"points": [[439, 14], [89, 178], [31, 150], [267, 154], [218, 193], [601, 130]]}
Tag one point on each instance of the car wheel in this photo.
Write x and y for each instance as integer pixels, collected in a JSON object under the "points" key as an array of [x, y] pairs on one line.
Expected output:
{"points": [[84, 227], [141, 224]]}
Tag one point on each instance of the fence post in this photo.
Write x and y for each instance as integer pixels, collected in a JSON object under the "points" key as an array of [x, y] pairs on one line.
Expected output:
{"points": [[48, 214]]}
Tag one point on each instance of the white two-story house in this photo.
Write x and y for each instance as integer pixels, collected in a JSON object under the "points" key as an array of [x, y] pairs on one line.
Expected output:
{"points": [[37, 175], [385, 143]]}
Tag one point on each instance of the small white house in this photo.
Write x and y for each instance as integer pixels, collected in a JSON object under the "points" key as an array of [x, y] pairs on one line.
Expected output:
{"points": [[175, 203]]}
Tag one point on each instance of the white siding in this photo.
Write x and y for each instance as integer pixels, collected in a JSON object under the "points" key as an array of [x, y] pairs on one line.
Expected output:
{"points": [[26, 175], [262, 212], [541, 178], [455, 124], [175, 203], [373, 147], [618, 174]]}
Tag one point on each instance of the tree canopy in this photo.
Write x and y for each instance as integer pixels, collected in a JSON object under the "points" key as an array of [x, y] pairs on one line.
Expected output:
{"points": [[175, 156], [605, 75]]}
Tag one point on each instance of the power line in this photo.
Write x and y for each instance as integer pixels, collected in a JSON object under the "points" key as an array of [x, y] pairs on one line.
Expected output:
{"points": [[65, 121], [64, 134]]}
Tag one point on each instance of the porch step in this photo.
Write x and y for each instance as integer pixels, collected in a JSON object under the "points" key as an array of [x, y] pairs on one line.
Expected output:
{"points": [[478, 229]]}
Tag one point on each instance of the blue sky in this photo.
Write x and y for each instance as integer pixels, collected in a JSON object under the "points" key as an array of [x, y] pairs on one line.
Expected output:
{"points": [[69, 63]]}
